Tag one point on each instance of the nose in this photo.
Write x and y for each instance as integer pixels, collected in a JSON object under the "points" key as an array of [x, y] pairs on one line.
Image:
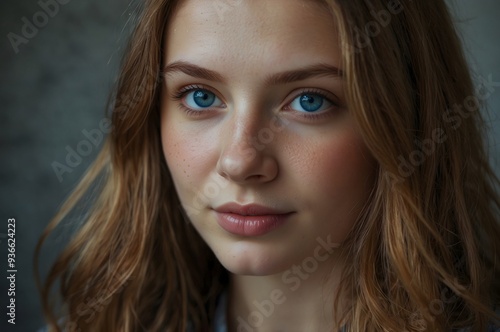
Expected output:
{"points": [[245, 157]]}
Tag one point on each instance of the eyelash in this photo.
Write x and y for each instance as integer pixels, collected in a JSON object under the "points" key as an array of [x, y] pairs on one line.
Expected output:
{"points": [[180, 94], [318, 92]]}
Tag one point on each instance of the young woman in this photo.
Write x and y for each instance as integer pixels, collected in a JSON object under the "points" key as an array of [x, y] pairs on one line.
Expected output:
{"points": [[287, 165]]}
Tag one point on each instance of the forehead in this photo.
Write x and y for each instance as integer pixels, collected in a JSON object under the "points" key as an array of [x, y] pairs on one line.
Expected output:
{"points": [[252, 31]]}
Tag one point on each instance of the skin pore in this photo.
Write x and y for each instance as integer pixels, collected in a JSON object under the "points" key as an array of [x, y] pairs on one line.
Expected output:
{"points": [[253, 112]]}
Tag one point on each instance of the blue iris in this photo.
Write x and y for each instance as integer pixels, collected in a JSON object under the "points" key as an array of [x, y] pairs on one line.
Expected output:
{"points": [[311, 102], [203, 98]]}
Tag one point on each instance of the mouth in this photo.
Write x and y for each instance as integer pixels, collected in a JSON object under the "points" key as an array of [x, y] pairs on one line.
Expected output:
{"points": [[250, 220], [249, 210]]}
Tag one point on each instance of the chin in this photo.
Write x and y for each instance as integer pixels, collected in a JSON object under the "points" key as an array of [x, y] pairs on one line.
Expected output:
{"points": [[248, 260], [256, 270]]}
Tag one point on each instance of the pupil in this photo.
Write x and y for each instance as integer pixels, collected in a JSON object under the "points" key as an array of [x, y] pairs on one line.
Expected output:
{"points": [[203, 98], [311, 103]]}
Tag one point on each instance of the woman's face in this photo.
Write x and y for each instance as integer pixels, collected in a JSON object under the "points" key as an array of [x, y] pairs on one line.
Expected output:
{"points": [[254, 116]]}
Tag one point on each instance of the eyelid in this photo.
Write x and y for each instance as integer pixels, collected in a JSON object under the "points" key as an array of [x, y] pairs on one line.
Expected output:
{"points": [[180, 93], [332, 98], [323, 93], [313, 116]]}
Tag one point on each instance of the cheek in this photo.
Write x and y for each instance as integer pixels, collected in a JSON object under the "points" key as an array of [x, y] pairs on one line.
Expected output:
{"points": [[349, 163], [187, 157], [340, 172]]}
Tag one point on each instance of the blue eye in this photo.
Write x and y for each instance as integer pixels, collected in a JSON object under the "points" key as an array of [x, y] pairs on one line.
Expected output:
{"points": [[201, 98], [310, 102]]}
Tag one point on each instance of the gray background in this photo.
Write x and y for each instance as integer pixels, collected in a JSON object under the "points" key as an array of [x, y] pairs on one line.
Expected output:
{"points": [[57, 85]]}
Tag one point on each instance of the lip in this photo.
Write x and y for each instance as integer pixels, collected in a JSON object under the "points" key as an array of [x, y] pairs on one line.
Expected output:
{"points": [[251, 219]]}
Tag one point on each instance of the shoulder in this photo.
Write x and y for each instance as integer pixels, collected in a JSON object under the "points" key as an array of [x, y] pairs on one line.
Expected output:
{"points": [[219, 319]]}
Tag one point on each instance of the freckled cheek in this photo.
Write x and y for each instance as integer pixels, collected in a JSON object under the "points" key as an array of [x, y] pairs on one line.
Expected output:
{"points": [[341, 169], [188, 157]]}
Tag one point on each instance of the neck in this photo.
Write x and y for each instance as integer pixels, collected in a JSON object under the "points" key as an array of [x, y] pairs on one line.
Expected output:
{"points": [[298, 299]]}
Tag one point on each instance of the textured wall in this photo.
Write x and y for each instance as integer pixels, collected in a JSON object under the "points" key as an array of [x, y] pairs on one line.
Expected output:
{"points": [[54, 90], [478, 21]]}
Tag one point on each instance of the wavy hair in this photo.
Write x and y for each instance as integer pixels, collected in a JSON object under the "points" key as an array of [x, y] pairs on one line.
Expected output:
{"points": [[424, 253]]}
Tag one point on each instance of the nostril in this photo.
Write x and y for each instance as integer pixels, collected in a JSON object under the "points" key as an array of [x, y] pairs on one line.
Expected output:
{"points": [[256, 177], [237, 165]]}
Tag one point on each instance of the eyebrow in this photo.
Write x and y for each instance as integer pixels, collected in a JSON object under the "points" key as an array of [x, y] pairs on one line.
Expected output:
{"points": [[192, 70], [316, 70]]}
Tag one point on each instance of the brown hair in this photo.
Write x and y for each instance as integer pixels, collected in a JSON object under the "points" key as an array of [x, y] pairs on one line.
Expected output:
{"points": [[424, 252]]}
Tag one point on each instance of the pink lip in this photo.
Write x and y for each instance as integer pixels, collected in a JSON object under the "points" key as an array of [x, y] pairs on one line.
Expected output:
{"points": [[249, 220]]}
